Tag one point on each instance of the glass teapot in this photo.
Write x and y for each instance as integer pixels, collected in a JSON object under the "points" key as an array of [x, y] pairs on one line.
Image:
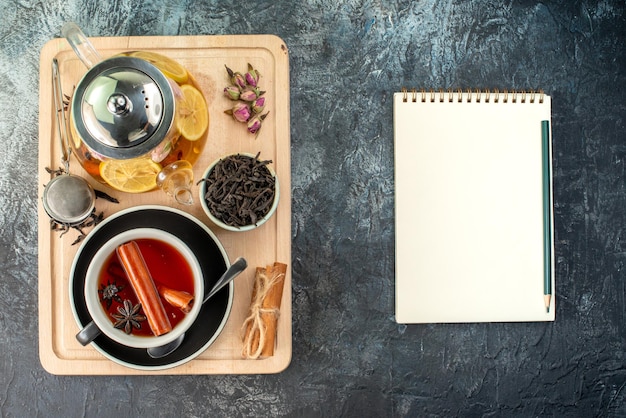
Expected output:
{"points": [[133, 114]]}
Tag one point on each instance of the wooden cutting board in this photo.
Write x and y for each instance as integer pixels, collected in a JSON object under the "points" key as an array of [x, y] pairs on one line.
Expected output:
{"points": [[204, 57]]}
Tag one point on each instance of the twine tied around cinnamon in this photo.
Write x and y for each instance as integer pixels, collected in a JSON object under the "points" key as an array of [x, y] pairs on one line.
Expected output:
{"points": [[259, 328]]}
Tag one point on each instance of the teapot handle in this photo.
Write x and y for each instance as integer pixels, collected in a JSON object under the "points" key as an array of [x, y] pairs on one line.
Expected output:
{"points": [[80, 44]]}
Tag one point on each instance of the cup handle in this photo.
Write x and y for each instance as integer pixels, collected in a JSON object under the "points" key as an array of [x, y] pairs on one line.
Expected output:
{"points": [[88, 334], [80, 44]]}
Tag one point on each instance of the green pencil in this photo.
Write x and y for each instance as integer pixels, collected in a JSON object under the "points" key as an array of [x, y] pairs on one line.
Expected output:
{"points": [[547, 207]]}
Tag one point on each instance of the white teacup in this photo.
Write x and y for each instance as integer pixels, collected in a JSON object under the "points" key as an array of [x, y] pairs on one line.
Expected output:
{"points": [[101, 318]]}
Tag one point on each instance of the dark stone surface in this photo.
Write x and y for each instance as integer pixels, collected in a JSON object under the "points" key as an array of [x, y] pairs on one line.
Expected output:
{"points": [[350, 358]]}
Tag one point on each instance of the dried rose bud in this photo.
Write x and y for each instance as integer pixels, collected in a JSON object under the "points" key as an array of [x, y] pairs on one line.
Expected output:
{"points": [[254, 125], [238, 80], [241, 112], [232, 92], [249, 95], [258, 105], [252, 76]]}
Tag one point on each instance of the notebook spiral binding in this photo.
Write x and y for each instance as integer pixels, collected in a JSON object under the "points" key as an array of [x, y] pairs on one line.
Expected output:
{"points": [[476, 96]]}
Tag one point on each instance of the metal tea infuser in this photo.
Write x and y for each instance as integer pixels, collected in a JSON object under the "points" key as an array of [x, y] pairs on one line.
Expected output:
{"points": [[67, 199]]}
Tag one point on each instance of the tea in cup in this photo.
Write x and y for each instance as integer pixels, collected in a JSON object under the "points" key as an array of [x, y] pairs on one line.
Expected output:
{"points": [[143, 288]]}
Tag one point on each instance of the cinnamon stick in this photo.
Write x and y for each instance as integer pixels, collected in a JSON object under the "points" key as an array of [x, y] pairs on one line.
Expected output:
{"points": [[261, 325], [272, 301], [142, 283], [177, 298], [252, 338]]}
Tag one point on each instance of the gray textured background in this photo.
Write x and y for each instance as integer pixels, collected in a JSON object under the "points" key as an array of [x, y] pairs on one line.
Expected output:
{"points": [[350, 358]]}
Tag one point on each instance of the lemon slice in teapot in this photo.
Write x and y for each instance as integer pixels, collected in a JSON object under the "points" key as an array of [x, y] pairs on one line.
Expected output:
{"points": [[168, 66], [192, 118], [136, 175]]}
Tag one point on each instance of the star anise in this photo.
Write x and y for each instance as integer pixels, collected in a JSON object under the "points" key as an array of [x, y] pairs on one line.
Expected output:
{"points": [[128, 317], [109, 293]]}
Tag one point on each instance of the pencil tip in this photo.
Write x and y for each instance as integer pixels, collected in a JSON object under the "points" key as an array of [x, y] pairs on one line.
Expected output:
{"points": [[547, 309]]}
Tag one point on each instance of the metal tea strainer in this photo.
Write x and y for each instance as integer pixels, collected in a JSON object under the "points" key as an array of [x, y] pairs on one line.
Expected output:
{"points": [[67, 199]]}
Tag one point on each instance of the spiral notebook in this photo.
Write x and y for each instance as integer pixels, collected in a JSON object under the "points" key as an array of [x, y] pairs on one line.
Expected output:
{"points": [[473, 207]]}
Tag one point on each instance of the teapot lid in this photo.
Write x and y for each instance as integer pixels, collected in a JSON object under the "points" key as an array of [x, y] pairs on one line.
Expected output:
{"points": [[123, 107]]}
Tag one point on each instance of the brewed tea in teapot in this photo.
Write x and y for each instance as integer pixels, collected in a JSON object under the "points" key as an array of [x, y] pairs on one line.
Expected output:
{"points": [[133, 114]]}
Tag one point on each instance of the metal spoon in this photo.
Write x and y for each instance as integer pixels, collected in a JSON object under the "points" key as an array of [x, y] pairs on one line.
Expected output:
{"points": [[233, 271], [67, 199]]}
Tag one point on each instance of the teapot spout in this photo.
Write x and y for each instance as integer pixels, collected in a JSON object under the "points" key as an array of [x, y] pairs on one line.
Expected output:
{"points": [[80, 44]]}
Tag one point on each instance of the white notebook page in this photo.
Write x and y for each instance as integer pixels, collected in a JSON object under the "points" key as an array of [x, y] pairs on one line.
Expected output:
{"points": [[469, 212]]}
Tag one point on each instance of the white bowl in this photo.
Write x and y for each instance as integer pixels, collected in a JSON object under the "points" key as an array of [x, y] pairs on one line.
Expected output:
{"points": [[243, 228], [100, 316]]}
